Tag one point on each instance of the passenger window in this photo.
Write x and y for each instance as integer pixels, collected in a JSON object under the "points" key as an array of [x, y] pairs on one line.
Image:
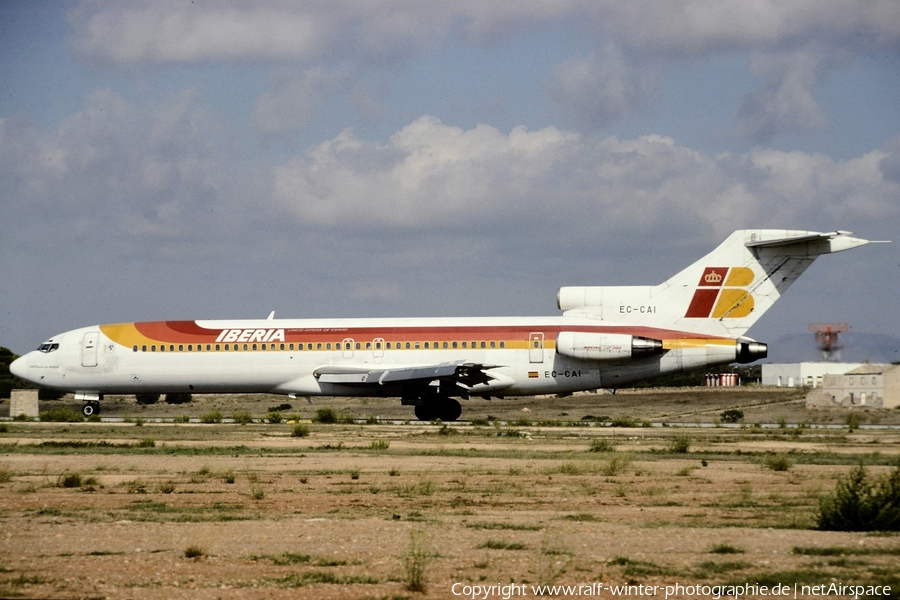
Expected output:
{"points": [[454, 344], [417, 345], [254, 347], [503, 344], [208, 347], [388, 346], [378, 345], [245, 347], [358, 345], [368, 345], [181, 347], [144, 348], [328, 346], [134, 348], [282, 346], [483, 344], [493, 344], [426, 345], [407, 345], [319, 346], [153, 348]]}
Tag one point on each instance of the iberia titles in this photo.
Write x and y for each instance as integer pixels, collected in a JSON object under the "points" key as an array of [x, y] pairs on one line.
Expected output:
{"points": [[251, 335]]}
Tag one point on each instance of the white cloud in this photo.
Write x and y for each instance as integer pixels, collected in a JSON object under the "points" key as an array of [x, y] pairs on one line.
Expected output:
{"points": [[430, 175]]}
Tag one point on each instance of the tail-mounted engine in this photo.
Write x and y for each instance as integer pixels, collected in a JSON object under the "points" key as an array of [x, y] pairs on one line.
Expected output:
{"points": [[600, 346]]}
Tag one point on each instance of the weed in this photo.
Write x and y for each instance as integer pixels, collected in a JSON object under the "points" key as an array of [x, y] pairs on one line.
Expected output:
{"points": [[601, 445], [300, 430], [5, 475], [725, 549], [501, 545], [167, 487], [242, 417], [194, 551], [212, 416], [507, 526], [257, 493], [182, 419], [732, 415], [778, 462], [146, 443], [616, 466], [325, 415], [69, 480], [61, 414], [680, 444], [274, 417], [354, 474], [861, 504], [415, 561], [624, 422], [853, 421], [379, 445], [285, 558], [284, 406], [393, 472]]}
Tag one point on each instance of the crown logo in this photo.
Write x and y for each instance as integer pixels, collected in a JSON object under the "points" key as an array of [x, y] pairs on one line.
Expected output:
{"points": [[712, 277]]}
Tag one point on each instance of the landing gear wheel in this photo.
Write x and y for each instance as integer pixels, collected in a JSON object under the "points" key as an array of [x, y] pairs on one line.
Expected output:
{"points": [[426, 412], [90, 409], [450, 410]]}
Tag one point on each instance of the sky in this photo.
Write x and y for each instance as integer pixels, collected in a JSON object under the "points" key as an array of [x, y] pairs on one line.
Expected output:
{"points": [[333, 158]]}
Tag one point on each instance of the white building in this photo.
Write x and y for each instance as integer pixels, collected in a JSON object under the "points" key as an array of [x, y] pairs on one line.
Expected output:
{"points": [[808, 374]]}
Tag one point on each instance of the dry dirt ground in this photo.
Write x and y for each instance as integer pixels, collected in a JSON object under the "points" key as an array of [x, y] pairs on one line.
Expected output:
{"points": [[142, 509]]}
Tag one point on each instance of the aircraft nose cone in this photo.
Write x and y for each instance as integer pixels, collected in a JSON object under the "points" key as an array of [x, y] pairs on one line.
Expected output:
{"points": [[19, 368]]}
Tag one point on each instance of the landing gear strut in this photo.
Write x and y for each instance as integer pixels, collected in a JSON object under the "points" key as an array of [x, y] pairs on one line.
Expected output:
{"points": [[90, 408], [445, 409]]}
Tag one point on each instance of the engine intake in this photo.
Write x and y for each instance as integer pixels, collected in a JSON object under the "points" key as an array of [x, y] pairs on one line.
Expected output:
{"points": [[600, 346]]}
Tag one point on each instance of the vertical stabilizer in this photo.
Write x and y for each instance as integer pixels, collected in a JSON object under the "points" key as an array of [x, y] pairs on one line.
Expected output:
{"points": [[723, 293]]}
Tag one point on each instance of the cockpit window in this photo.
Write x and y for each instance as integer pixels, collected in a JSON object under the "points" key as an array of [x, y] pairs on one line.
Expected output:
{"points": [[48, 347]]}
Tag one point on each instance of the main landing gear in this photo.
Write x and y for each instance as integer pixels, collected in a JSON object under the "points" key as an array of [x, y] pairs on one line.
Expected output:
{"points": [[445, 409], [90, 408]]}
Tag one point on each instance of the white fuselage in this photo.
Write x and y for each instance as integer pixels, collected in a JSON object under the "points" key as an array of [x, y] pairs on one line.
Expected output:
{"points": [[284, 356]]}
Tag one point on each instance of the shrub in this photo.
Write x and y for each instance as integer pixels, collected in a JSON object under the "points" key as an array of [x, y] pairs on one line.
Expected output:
{"points": [[732, 415], [300, 430], [242, 416], [778, 462], [623, 422], [213, 416], [194, 551], [862, 503], [325, 415], [280, 408], [147, 443], [415, 561], [379, 445], [274, 417], [601, 445], [62, 415], [182, 419], [178, 398], [853, 421], [69, 480], [145, 399], [680, 444]]}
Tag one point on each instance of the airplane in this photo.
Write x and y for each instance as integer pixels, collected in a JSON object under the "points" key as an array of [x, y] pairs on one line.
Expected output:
{"points": [[606, 337]]}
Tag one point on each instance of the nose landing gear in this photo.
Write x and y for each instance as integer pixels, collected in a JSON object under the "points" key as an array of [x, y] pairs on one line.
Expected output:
{"points": [[90, 408]]}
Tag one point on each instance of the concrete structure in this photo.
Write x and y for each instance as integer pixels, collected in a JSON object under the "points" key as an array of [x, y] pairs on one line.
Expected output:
{"points": [[809, 374], [23, 402], [874, 385]]}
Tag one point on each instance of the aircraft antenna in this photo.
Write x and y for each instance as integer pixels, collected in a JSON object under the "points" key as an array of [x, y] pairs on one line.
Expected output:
{"points": [[827, 338]]}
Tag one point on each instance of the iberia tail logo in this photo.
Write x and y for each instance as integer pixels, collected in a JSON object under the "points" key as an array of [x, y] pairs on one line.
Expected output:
{"points": [[722, 293]]}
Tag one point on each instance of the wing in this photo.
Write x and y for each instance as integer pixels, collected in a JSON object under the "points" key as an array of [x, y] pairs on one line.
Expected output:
{"points": [[468, 375]]}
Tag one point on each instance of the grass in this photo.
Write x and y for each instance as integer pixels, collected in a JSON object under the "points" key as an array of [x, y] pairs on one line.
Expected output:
{"points": [[194, 551], [502, 545], [415, 562]]}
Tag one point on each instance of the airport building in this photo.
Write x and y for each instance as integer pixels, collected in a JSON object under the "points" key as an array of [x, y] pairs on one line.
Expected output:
{"points": [[872, 385], [804, 374]]}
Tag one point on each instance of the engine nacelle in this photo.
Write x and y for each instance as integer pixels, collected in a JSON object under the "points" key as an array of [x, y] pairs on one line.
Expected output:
{"points": [[606, 346]]}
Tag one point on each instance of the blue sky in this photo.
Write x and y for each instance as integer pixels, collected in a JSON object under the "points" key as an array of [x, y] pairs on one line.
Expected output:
{"points": [[173, 160]]}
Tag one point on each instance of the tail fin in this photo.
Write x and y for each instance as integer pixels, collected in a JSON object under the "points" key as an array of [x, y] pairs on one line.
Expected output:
{"points": [[723, 293]]}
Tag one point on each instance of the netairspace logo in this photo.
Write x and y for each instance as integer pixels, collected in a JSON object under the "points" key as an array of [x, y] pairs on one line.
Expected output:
{"points": [[713, 592]]}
